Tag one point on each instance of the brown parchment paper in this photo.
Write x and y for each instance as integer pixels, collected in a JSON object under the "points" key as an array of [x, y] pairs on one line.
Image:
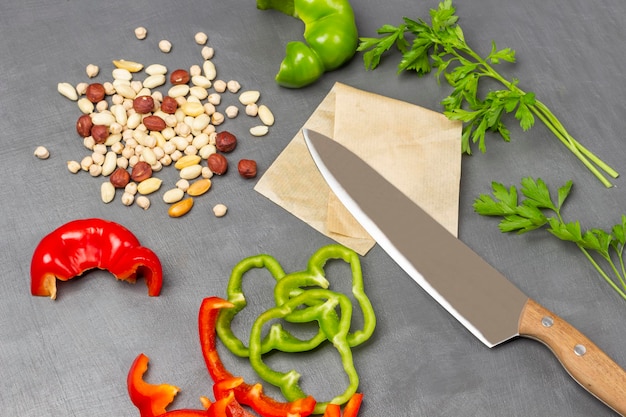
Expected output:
{"points": [[416, 149]]}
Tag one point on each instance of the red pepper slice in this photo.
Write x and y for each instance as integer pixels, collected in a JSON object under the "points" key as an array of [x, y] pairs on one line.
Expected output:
{"points": [[251, 395], [353, 405], [350, 410], [85, 244], [219, 407], [332, 410], [150, 399]]}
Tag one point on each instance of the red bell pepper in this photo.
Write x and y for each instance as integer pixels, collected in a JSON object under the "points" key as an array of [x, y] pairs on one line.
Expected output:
{"points": [[353, 405], [84, 244], [332, 410], [350, 410], [251, 395], [150, 399]]}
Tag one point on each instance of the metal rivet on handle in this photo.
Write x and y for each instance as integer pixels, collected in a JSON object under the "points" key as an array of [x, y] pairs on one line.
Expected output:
{"points": [[547, 321], [580, 350]]}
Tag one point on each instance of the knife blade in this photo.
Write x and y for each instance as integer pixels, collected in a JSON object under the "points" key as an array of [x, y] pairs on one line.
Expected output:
{"points": [[483, 300]]}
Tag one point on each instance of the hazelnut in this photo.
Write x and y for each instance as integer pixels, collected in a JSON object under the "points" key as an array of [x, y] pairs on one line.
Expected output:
{"points": [[120, 178], [141, 171], [179, 76], [225, 141], [169, 105], [247, 168], [95, 92], [154, 123], [143, 104], [100, 133], [83, 125], [217, 163]]}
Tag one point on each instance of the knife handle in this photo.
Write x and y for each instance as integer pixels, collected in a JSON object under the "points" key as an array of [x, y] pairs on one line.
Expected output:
{"points": [[593, 369]]}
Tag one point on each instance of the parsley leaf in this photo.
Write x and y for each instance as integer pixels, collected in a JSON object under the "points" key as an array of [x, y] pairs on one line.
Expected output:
{"points": [[537, 209], [441, 45]]}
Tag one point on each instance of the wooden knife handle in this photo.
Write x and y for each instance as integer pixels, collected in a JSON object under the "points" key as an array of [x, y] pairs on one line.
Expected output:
{"points": [[593, 369]]}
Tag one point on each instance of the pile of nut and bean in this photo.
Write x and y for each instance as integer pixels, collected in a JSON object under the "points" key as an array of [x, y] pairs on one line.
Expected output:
{"points": [[133, 130]]}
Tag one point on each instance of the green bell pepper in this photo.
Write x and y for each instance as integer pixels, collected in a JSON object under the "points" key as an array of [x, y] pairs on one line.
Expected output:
{"points": [[330, 34], [336, 329]]}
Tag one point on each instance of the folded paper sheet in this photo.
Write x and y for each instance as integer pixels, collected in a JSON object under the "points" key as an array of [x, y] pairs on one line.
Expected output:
{"points": [[416, 149]]}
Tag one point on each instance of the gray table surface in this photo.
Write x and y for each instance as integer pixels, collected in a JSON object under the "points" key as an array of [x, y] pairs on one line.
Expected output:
{"points": [[70, 357]]}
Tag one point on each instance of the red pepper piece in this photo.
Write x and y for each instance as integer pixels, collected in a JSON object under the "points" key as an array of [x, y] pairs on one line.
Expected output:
{"points": [[350, 410], [219, 407], [187, 413], [251, 395], [85, 244], [332, 410], [353, 405], [150, 399]]}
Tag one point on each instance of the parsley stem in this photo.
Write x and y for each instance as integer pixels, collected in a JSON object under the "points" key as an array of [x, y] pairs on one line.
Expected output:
{"points": [[602, 273], [545, 115], [571, 144], [621, 262]]}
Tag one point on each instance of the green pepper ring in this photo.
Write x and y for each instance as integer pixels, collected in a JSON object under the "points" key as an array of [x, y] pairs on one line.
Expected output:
{"points": [[286, 287], [315, 267], [277, 338], [335, 328]]}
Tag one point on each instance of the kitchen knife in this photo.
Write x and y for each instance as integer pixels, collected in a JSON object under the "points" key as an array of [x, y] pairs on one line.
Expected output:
{"points": [[482, 299]]}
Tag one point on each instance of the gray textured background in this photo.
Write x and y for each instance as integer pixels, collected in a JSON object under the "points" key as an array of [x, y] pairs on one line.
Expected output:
{"points": [[70, 357]]}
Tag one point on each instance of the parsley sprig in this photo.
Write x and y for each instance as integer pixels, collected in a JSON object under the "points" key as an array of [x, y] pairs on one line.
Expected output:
{"points": [[538, 209], [441, 45]]}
